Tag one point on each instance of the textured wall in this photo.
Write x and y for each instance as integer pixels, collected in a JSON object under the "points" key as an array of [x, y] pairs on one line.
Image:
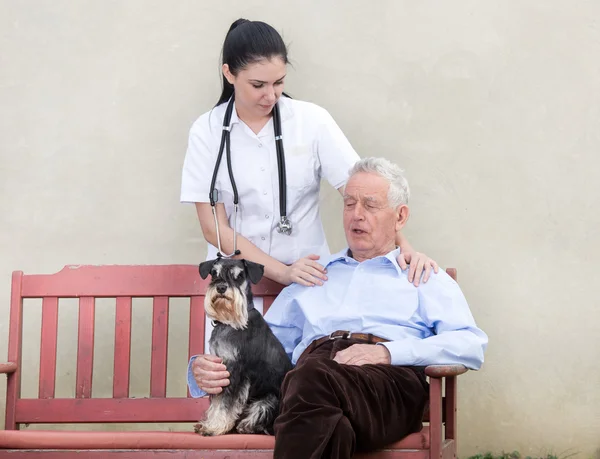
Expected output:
{"points": [[491, 107]]}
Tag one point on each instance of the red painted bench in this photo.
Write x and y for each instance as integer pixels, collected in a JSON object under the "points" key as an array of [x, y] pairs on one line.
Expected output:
{"points": [[161, 283]]}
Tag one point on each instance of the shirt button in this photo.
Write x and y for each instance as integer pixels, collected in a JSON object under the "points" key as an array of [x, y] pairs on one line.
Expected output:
{"points": [[265, 193], [262, 169], [263, 238], [260, 145], [266, 216]]}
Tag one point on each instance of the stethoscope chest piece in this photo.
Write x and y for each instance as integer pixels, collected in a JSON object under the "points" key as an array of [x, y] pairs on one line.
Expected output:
{"points": [[284, 226]]}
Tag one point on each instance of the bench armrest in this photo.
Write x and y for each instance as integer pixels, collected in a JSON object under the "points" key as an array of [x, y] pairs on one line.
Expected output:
{"points": [[443, 371], [9, 367]]}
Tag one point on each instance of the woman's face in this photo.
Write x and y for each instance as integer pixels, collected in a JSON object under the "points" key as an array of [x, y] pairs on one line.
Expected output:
{"points": [[257, 87]]}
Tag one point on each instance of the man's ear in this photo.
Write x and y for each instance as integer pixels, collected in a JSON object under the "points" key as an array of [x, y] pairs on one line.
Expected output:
{"points": [[255, 271], [402, 214], [205, 268]]}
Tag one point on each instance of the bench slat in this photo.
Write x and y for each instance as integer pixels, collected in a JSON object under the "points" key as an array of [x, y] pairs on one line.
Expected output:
{"points": [[122, 348], [48, 347], [106, 410], [197, 323], [15, 336], [110, 281], [85, 348], [160, 340]]}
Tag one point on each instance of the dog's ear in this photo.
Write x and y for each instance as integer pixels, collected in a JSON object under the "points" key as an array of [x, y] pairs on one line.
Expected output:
{"points": [[205, 268], [255, 271]]}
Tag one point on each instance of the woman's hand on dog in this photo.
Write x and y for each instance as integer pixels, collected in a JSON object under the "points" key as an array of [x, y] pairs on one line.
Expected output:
{"points": [[210, 373], [305, 271]]}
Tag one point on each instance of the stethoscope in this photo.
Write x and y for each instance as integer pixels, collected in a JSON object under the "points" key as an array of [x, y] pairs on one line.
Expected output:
{"points": [[284, 226]]}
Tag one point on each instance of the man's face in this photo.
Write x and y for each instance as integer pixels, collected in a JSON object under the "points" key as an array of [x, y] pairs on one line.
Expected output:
{"points": [[369, 222]]}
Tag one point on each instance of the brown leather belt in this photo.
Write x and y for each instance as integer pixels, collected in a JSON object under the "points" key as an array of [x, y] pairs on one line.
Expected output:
{"points": [[344, 334]]}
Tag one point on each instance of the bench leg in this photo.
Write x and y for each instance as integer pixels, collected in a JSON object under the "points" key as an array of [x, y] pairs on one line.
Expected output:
{"points": [[435, 418]]}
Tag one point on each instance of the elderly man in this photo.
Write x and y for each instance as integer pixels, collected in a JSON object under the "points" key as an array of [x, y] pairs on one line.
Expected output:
{"points": [[359, 342]]}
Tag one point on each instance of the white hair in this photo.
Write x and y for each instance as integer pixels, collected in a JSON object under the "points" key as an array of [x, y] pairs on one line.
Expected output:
{"points": [[399, 192]]}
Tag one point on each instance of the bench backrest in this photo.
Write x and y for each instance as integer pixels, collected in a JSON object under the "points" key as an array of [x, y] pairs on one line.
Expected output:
{"points": [[124, 283]]}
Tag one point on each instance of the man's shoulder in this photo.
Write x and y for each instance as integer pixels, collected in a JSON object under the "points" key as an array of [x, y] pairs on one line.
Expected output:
{"points": [[437, 281], [440, 279], [439, 285]]}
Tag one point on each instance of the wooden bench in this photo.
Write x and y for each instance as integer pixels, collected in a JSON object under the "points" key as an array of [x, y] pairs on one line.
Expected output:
{"points": [[123, 283]]}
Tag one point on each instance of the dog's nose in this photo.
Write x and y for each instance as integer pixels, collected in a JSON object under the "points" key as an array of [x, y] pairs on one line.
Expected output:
{"points": [[221, 289]]}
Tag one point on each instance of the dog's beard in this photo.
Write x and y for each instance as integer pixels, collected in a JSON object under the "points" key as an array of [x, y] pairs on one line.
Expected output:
{"points": [[230, 308]]}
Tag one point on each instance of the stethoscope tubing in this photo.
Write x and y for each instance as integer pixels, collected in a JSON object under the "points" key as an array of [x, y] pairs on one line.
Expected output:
{"points": [[284, 225]]}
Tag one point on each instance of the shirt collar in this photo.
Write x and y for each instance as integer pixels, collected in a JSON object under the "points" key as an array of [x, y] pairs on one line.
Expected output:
{"points": [[342, 255], [234, 115], [345, 255], [285, 108]]}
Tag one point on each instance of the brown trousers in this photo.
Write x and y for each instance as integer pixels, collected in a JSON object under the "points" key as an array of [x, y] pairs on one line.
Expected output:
{"points": [[330, 410]]}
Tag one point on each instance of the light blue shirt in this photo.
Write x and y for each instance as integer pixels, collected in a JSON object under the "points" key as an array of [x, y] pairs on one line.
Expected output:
{"points": [[426, 325]]}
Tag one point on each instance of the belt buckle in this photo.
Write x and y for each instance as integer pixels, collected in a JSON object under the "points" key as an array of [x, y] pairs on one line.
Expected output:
{"points": [[345, 335]]}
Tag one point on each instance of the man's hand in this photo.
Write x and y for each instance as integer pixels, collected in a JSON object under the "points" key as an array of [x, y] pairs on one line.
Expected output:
{"points": [[210, 373], [361, 354]]}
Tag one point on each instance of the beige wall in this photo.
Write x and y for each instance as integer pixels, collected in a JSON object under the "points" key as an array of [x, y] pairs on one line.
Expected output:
{"points": [[492, 107]]}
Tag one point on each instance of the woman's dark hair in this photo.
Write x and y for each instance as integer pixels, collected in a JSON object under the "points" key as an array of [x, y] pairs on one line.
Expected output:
{"points": [[248, 42]]}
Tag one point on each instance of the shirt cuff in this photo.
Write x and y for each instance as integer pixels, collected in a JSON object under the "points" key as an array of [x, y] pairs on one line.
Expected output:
{"points": [[401, 352], [195, 391]]}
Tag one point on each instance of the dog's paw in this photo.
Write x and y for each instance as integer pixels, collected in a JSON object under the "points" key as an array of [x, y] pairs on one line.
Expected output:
{"points": [[208, 429], [201, 429], [245, 426]]}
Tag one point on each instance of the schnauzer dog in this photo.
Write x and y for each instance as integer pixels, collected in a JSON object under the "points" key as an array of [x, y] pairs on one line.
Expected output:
{"points": [[254, 357]]}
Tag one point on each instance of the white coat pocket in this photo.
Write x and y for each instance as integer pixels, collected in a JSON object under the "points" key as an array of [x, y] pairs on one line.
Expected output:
{"points": [[300, 166]]}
